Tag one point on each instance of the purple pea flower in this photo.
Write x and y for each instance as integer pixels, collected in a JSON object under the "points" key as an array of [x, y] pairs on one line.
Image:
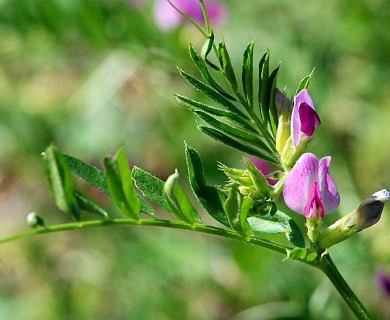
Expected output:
{"points": [[309, 189], [383, 282], [168, 18], [305, 118]]}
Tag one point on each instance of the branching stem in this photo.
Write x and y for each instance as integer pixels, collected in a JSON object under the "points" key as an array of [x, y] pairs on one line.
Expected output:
{"points": [[326, 264], [149, 222]]}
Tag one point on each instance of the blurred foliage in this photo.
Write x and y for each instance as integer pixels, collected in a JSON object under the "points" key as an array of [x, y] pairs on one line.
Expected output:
{"points": [[94, 75]]}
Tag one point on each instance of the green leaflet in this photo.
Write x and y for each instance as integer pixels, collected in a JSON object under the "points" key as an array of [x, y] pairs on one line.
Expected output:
{"points": [[211, 198], [277, 223], [87, 204], [97, 178], [230, 116], [206, 49], [151, 187], [235, 132], [227, 67], [179, 202], [202, 67], [60, 181], [213, 94], [120, 184], [304, 83], [220, 136], [263, 87], [247, 73], [273, 112], [90, 174]]}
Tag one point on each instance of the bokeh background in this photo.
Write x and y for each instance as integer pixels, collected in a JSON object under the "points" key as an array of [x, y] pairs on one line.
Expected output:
{"points": [[93, 75]]}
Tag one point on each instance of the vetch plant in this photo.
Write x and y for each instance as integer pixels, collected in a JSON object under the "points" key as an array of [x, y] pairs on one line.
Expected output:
{"points": [[259, 121]]}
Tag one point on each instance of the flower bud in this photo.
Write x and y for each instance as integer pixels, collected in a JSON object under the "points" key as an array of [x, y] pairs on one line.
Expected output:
{"points": [[34, 221], [284, 126], [304, 121], [366, 215]]}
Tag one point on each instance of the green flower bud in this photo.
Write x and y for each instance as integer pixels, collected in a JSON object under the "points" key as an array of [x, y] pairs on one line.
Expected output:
{"points": [[34, 221], [366, 215]]}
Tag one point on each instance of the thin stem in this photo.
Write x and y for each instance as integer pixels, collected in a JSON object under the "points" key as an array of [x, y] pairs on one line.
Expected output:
{"points": [[329, 268], [149, 222]]}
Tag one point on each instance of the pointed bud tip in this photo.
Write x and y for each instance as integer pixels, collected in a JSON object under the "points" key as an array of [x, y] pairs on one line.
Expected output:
{"points": [[382, 195]]}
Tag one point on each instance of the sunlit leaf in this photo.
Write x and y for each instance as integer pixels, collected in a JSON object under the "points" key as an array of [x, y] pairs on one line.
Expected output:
{"points": [[150, 186], [120, 184], [211, 198], [90, 174]]}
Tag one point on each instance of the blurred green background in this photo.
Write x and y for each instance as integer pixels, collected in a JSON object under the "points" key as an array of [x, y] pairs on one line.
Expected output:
{"points": [[91, 76]]}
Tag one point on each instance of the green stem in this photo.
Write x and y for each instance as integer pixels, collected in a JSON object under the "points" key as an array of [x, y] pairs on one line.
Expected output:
{"points": [[148, 222], [326, 264], [329, 268]]}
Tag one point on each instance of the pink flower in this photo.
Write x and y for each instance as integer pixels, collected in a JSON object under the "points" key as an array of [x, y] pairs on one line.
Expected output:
{"points": [[168, 18], [305, 118], [309, 189], [264, 167]]}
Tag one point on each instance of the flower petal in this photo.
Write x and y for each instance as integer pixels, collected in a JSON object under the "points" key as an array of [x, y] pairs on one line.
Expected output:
{"points": [[305, 118], [300, 181], [329, 194], [314, 208]]}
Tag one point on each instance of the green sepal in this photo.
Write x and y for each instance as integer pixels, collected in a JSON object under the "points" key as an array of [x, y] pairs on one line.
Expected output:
{"points": [[202, 67], [247, 73], [258, 178], [178, 201], [120, 185], [222, 137], [88, 173], [227, 67], [245, 210], [237, 209], [232, 207], [212, 93], [151, 187], [211, 198], [60, 181], [87, 204], [277, 223]]}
